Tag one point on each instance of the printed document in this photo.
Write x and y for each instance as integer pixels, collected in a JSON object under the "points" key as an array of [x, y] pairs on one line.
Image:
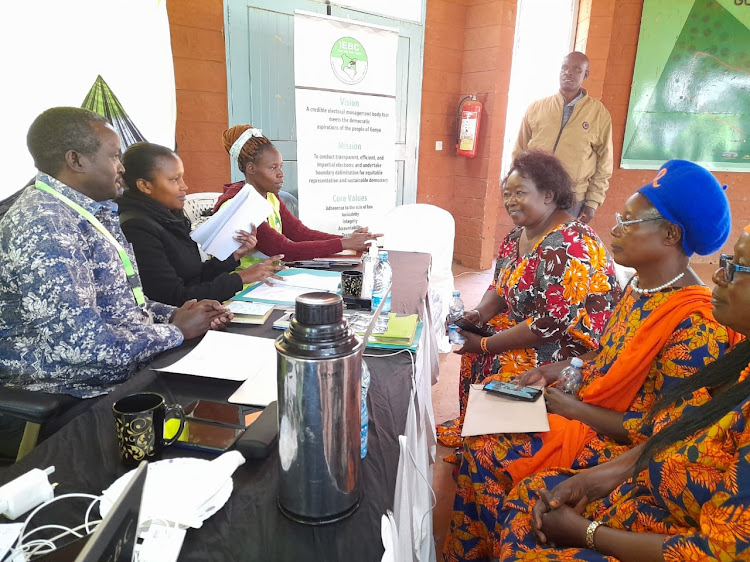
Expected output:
{"points": [[216, 234], [217, 357]]}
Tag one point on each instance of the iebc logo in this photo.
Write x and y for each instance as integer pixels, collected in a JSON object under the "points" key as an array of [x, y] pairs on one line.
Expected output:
{"points": [[349, 60]]}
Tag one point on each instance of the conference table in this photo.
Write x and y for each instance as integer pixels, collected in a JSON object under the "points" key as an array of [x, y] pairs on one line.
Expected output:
{"points": [[250, 526]]}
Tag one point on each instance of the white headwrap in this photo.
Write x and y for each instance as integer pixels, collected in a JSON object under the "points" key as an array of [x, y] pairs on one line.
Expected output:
{"points": [[234, 152]]}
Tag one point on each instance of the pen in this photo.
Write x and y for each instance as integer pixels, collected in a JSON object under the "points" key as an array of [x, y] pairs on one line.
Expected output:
{"points": [[310, 264]]}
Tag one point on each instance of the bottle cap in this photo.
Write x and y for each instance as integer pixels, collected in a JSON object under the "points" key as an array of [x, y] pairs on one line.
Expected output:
{"points": [[383, 255], [576, 362], [456, 293]]}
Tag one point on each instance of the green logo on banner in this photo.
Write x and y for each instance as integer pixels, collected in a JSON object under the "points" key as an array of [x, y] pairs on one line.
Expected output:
{"points": [[349, 60]]}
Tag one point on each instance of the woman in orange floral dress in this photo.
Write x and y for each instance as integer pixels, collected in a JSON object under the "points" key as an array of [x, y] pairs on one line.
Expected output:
{"points": [[681, 496], [656, 338], [554, 286]]}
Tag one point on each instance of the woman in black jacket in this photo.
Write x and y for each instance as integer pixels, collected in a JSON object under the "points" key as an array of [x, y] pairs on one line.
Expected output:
{"points": [[153, 221]]}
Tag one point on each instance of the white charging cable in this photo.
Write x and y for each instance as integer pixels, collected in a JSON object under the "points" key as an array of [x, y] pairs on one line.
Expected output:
{"points": [[21, 547]]}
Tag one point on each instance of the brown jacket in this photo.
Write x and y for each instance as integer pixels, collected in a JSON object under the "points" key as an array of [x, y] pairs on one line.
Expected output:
{"points": [[584, 145]]}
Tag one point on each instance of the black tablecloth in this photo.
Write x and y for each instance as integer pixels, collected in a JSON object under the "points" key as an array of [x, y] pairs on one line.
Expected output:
{"points": [[250, 526]]}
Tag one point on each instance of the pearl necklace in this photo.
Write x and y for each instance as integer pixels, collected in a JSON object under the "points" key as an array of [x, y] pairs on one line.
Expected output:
{"points": [[634, 284]]}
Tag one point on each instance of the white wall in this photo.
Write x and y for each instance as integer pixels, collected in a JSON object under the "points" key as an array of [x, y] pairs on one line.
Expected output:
{"points": [[411, 10], [544, 35], [52, 52]]}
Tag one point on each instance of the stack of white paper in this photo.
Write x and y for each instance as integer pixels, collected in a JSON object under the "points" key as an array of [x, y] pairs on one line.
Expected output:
{"points": [[327, 283], [216, 234]]}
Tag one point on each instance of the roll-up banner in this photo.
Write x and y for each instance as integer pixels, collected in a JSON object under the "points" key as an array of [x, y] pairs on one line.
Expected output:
{"points": [[345, 89]]}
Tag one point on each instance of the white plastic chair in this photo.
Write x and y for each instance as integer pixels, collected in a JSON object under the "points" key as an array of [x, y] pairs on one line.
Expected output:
{"points": [[199, 205], [624, 275], [428, 229]]}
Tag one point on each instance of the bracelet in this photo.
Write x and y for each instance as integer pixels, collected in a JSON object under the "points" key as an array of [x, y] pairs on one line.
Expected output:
{"points": [[483, 344], [590, 530], [478, 324]]}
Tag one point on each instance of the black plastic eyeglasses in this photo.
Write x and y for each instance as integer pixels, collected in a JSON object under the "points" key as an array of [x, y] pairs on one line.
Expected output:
{"points": [[729, 268]]}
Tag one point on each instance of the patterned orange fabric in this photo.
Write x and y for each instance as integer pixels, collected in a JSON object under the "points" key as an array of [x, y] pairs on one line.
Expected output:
{"points": [[695, 491], [484, 480], [617, 389]]}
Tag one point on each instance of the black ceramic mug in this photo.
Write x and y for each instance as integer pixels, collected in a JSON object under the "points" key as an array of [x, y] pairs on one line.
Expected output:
{"points": [[139, 422], [351, 283]]}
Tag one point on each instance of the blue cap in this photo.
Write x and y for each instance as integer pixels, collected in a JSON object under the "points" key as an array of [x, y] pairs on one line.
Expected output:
{"points": [[691, 197]]}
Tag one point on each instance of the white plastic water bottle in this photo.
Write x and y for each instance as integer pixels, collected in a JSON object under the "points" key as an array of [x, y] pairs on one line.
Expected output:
{"points": [[455, 311], [365, 418], [369, 261], [381, 282], [570, 378]]}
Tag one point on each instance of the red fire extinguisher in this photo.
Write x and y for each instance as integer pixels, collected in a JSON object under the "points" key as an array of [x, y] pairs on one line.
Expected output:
{"points": [[468, 126]]}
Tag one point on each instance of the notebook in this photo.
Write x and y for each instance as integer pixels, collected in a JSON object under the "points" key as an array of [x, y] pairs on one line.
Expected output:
{"points": [[249, 312], [401, 330]]}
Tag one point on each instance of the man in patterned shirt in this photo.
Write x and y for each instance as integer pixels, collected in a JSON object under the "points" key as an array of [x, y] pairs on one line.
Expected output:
{"points": [[72, 322]]}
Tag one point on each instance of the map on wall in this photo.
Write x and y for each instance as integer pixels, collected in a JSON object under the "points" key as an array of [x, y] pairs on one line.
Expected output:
{"points": [[690, 97]]}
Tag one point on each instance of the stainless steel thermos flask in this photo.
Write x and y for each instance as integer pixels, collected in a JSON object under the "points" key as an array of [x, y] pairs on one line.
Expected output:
{"points": [[319, 382]]}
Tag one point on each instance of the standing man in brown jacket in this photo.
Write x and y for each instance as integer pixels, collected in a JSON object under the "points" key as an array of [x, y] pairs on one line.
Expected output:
{"points": [[578, 129]]}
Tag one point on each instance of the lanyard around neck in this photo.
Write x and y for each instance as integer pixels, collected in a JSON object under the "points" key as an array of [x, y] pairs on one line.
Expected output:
{"points": [[127, 264], [274, 219]]}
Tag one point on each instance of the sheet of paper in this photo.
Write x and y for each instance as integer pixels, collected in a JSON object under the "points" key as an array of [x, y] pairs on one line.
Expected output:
{"points": [[261, 388], [277, 293], [216, 234], [329, 283], [249, 308], [488, 413], [217, 356], [8, 535]]}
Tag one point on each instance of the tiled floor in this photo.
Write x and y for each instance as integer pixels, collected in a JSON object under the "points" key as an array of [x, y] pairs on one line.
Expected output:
{"points": [[472, 284]]}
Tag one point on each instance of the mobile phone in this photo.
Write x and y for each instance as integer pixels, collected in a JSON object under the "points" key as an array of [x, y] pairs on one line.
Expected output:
{"points": [[484, 330], [207, 436], [214, 426], [221, 413], [509, 390]]}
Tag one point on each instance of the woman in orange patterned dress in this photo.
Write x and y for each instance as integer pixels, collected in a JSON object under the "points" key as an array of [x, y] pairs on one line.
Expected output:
{"points": [[681, 496], [554, 286], [655, 338]]}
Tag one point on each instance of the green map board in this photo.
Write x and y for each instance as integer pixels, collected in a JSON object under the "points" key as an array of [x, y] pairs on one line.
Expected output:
{"points": [[690, 97]]}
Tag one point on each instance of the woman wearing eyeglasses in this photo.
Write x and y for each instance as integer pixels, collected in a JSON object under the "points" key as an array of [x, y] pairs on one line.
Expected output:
{"points": [[683, 495], [661, 332]]}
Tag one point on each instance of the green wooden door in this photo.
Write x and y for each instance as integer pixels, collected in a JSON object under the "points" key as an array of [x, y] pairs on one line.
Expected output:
{"points": [[259, 37]]}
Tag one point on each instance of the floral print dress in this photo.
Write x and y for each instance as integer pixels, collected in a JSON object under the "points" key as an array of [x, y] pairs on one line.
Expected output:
{"points": [[484, 480], [564, 288]]}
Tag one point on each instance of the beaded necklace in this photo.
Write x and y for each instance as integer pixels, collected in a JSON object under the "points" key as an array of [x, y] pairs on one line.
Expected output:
{"points": [[744, 374], [634, 284]]}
